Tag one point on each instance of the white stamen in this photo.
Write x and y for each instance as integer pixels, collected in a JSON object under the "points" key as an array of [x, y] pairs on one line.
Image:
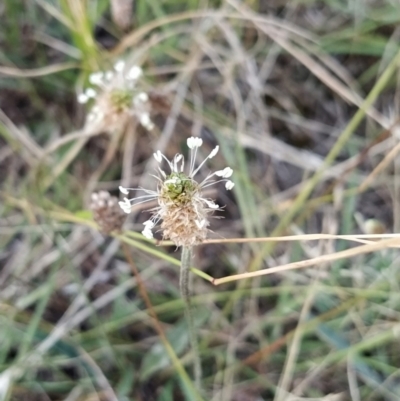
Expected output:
{"points": [[90, 92], [96, 78], [119, 66], [134, 73], [162, 172], [123, 190], [125, 207], [225, 173], [213, 152], [147, 233], [146, 122], [200, 224], [158, 156], [211, 204], [177, 158], [82, 98], [143, 97], [229, 185], [194, 142], [144, 119], [109, 75], [149, 224]]}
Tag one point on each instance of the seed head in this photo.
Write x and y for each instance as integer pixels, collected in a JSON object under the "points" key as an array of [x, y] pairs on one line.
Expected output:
{"points": [[116, 97], [181, 206], [106, 212]]}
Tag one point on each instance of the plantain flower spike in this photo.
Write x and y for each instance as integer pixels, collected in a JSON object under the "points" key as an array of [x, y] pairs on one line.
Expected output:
{"points": [[116, 97], [181, 206], [106, 212]]}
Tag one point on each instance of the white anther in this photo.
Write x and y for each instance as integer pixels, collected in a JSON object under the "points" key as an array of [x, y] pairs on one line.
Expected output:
{"points": [[225, 173], [229, 185], [145, 120], [109, 75], [200, 224], [125, 207], [147, 233], [158, 156], [96, 78], [211, 204], [213, 152], [143, 97], [123, 190], [134, 73], [149, 224], [90, 92], [194, 142], [82, 98], [119, 66]]}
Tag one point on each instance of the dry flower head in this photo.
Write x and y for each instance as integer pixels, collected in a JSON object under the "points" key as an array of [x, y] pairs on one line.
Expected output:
{"points": [[106, 212]]}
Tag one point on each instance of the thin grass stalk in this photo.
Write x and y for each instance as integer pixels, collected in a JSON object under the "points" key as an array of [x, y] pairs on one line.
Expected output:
{"points": [[185, 293], [330, 158]]}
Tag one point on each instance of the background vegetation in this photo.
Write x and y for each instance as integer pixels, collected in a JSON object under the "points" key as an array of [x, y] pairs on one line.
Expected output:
{"points": [[302, 97]]}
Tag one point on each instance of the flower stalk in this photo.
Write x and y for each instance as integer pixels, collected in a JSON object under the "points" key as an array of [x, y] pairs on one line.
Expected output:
{"points": [[184, 284]]}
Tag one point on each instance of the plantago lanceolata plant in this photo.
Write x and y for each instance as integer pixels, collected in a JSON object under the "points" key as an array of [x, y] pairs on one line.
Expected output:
{"points": [[184, 213], [117, 98]]}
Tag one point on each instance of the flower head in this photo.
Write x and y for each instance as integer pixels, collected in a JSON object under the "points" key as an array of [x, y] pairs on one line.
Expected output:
{"points": [[106, 212], [116, 97], [181, 206]]}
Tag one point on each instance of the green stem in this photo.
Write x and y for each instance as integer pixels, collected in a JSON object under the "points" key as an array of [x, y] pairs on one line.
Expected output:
{"points": [[185, 292]]}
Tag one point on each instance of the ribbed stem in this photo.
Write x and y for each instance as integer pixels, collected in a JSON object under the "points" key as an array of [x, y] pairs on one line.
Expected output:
{"points": [[185, 292]]}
